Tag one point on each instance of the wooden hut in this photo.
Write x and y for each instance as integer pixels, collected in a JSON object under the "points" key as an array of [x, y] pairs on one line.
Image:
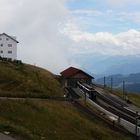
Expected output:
{"points": [[71, 75]]}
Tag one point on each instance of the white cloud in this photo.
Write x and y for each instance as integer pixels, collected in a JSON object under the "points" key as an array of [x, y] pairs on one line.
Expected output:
{"points": [[36, 25], [124, 43], [122, 3], [133, 16], [88, 12], [117, 2]]}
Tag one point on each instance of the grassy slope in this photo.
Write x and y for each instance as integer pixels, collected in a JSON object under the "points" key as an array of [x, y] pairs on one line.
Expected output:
{"points": [[51, 120], [26, 80], [37, 119]]}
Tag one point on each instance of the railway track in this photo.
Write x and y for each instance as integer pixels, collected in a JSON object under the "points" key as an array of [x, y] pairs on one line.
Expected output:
{"points": [[111, 104], [118, 112], [115, 104], [110, 123]]}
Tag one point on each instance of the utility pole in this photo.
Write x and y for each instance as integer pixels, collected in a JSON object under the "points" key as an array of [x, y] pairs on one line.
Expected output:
{"points": [[111, 83], [104, 81], [123, 89]]}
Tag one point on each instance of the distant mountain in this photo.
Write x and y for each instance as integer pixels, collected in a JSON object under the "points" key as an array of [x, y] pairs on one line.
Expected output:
{"points": [[132, 81], [108, 65], [127, 67], [122, 64]]}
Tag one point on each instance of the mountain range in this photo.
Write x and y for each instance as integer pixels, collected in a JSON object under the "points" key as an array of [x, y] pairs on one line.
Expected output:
{"points": [[108, 65], [121, 68], [132, 81]]}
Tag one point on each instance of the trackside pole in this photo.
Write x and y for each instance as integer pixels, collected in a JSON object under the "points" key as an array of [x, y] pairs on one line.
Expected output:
{"points": [[111, 83], [123, 89], [104, 81]]}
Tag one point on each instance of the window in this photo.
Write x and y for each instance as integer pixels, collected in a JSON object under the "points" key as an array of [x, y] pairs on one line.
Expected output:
{"points": [[7, 39], [1, 51], [1, 45], [9, 52], [9, 45]]}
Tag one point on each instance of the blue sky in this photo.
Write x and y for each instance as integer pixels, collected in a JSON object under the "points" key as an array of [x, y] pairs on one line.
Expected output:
{"points": [[103, 29], [102, 5], [87, 4], [111, 16]]}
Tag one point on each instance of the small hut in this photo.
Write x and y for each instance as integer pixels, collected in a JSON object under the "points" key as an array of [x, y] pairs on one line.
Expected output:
{"points": [[71, 75]]}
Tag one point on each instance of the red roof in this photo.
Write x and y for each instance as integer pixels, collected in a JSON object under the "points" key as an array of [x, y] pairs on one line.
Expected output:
{"points": [[71, 71]]}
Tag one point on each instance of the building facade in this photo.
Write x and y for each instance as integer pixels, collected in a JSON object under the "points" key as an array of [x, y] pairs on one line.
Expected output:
{"points": [[71, 76], [8, 46]]}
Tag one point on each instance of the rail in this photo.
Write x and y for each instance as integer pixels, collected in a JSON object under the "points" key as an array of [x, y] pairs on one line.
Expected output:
{"points": [[125, 116]]}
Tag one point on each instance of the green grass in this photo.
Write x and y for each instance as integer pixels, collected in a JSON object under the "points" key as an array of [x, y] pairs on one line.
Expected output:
{"points": [[24, 80], [135, 98], [43, 119], [51, 120]]}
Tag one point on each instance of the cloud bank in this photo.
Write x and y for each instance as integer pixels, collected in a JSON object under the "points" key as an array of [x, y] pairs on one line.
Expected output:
{"points": [[50, 34], [36, 25], [124, 43]]}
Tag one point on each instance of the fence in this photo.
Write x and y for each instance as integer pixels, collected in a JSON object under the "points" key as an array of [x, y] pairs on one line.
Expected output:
{"points": [[110, 82]]}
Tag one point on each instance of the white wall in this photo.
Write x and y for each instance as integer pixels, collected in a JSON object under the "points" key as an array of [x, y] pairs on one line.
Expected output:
{"points": [[5, 47]]}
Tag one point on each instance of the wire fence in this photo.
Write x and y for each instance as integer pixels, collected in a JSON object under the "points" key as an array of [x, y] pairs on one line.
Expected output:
{"points": [[110, 82]]}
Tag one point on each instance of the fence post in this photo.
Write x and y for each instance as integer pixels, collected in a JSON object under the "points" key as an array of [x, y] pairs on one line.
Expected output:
{"points": [[111, 83], [123, 89], [104, 81]]}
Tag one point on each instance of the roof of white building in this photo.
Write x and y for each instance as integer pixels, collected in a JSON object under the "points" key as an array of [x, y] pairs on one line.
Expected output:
{"points": [[9, 37]]}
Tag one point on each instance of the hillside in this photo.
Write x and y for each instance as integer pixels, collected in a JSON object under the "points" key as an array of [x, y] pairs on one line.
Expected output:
{"points": [[23, 80], [52, 120], [35, 119]]}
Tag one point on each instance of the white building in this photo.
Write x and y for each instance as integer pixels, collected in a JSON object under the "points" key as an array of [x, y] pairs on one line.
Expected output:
{"points": [[8, 46]]}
